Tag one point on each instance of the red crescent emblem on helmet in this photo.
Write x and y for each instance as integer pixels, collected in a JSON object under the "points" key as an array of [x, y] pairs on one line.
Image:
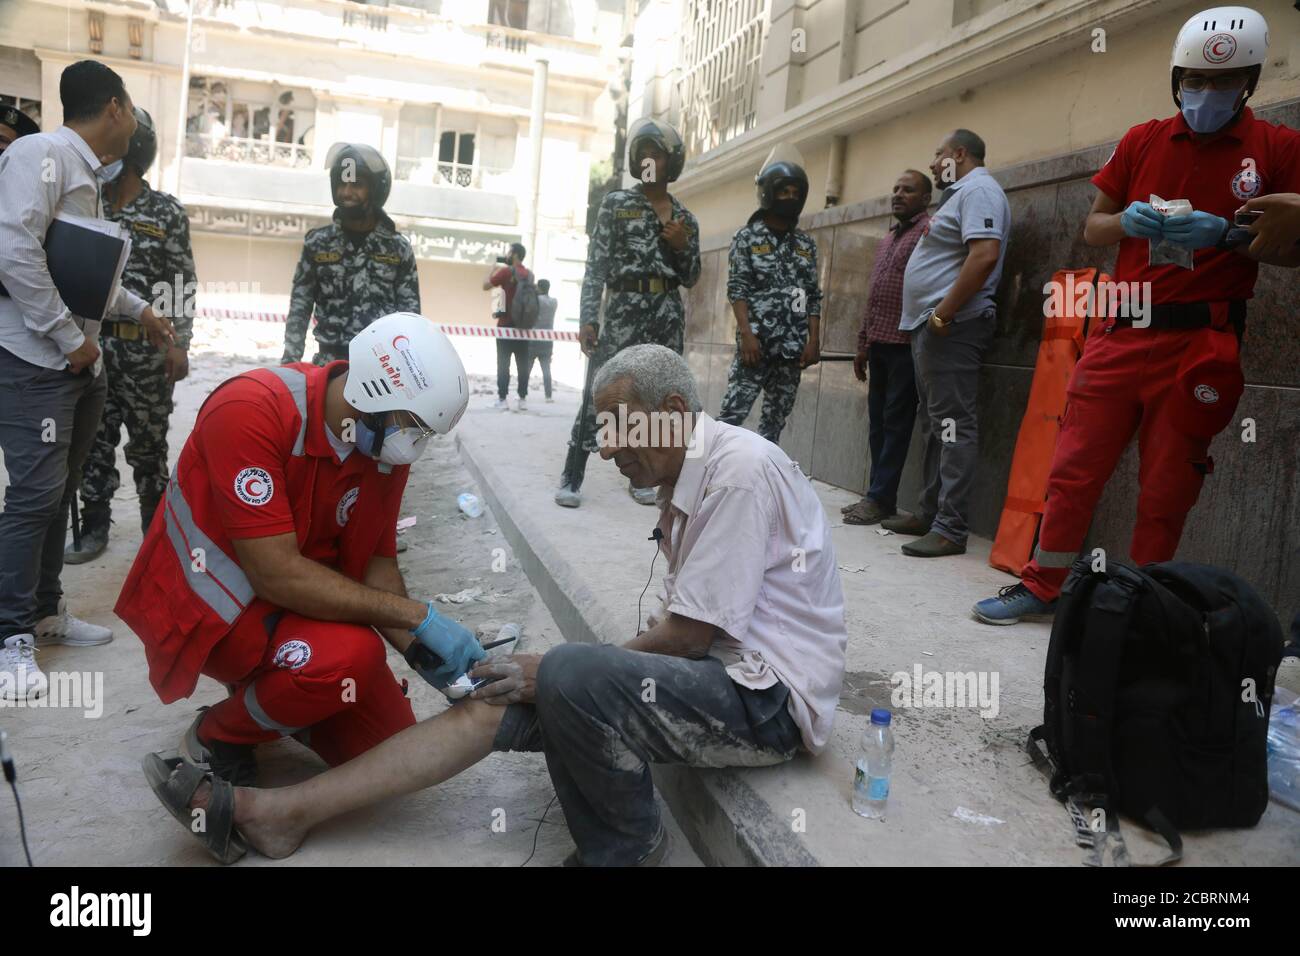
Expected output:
{"points": [[401, 342], [1220, 48]]}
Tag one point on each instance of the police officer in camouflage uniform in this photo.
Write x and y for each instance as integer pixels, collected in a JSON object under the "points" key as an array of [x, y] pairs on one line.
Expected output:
{"points": [[160, 270], [645, 246], [772, 287], [13, 124], [356, 269]]}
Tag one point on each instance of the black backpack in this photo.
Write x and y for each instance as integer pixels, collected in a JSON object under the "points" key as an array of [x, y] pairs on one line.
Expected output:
{"points": [[524, 307], [1146, 705]]}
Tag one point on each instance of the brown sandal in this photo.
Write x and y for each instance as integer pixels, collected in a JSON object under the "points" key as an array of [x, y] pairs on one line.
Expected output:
{"points": [[174, 781], [865, 512]]}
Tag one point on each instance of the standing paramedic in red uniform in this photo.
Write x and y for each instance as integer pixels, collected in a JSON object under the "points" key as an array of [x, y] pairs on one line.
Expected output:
{"points": [[1176, 382], [271, 567]]}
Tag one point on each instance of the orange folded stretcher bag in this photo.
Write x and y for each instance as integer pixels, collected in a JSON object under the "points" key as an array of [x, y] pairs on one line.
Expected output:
{"points": [[1073, 300]]}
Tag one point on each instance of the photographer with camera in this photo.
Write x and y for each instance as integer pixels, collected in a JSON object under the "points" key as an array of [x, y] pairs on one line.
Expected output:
{"points": [[512, 278]]}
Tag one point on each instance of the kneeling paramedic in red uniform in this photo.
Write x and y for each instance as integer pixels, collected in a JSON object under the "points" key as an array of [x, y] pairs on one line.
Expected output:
{"points": [[271, 566], [1175, 381]]}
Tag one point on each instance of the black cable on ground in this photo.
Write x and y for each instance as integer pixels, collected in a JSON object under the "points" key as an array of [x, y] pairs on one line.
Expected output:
{"points": [[11, 775], [538, 831]]}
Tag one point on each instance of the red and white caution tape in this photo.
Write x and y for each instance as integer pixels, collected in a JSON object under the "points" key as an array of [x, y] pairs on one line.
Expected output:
{"points": [[240, 314], [546, 335], [481, 331]]}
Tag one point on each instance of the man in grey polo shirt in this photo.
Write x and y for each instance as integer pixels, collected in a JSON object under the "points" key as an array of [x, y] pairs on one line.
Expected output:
{"points": [[950, 312]]}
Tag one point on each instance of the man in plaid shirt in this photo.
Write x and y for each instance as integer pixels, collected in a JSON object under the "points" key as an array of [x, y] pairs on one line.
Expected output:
{"points": [[886, 353]]}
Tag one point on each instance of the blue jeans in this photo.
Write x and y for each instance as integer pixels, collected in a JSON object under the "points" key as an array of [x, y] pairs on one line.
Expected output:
{"points": [[891, 413], [603, 714], [518, 348], [541, 351]]}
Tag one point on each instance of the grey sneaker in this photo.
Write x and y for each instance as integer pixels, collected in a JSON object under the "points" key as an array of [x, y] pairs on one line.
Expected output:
{"points": [[20, 677], [63, 628], [567, 497]]}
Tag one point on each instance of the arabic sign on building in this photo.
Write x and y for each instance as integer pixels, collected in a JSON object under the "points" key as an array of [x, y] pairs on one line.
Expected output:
{"points": [[454, 245]]}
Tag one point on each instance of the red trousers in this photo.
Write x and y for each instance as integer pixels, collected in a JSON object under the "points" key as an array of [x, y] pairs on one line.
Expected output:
{"points": [[326, 683], [1119, 387]]}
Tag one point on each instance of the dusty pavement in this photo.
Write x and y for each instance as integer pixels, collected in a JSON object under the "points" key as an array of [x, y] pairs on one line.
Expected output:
{"points": [[84, 797]]}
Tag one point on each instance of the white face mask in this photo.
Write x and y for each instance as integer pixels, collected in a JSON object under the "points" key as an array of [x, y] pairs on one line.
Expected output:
{"points": [[403, 447]]}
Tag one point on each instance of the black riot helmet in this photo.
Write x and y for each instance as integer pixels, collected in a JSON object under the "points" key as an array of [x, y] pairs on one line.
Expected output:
{"points": [[143, 149], [647, 130], [769, 182], [358, 159], [18, 121]]}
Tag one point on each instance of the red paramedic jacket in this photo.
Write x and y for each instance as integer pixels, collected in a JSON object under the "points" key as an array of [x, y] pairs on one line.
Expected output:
{"points": [[186, 592]]}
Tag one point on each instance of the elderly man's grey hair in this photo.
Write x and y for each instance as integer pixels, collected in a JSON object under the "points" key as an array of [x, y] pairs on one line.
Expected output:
{"points": [[655, 372]]}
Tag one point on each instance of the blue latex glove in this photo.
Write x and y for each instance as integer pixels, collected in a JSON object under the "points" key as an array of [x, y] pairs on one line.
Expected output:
{"points": [[442, 649], [1200, 230], [1140, 221]]}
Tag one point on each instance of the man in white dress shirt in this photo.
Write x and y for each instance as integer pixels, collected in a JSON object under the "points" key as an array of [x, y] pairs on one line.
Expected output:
{"points": [[52, 386]]}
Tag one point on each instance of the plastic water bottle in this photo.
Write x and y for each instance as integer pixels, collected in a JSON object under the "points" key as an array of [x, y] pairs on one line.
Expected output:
{"points": [[1284, 749], [871, 778], [469, 504]]}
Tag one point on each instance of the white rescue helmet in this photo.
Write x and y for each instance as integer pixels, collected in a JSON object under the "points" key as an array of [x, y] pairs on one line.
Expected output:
{"points": [[402, 362], [1220, 38]]}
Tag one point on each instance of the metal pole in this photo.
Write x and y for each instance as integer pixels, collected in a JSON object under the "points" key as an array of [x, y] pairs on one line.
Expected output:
{"points": [[536, 130], [182, 114]]}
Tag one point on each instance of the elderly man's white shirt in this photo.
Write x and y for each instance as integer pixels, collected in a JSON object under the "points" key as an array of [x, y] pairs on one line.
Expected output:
{"points": [[749, 550]]}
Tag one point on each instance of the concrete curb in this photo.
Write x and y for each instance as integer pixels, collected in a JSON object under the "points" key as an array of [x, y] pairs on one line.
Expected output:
{"points": [[725, 819]]}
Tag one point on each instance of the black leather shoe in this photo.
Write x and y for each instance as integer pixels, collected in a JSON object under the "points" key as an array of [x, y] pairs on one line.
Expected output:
{"points": [[933, 545], [907, 524]]}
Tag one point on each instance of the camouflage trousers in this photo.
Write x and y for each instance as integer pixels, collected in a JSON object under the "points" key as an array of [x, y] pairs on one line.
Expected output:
{"points": [[139, 397], [777, 379], [631, 318], [326, 353]]}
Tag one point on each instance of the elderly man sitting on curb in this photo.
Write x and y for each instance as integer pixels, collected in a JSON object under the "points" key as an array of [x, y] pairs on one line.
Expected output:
{"points": [[745, 664]]}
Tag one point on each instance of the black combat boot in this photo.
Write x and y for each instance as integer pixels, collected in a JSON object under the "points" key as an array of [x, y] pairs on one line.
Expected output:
{"points": [[96, 516], [575, 468]]}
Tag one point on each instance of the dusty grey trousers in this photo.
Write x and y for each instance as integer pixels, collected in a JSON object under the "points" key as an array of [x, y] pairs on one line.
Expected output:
{"points": [[48, 421], [603, 714], [947, 387]]}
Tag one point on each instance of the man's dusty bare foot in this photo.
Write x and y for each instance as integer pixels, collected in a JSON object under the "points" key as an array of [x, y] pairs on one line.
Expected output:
{"points": [[266, 824], [260, 820]]}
